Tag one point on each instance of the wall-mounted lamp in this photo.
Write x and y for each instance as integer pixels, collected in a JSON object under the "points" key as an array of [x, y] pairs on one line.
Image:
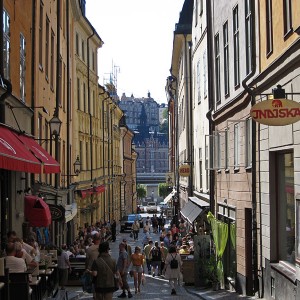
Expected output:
{"points": [[77, 168], [55, 125]]}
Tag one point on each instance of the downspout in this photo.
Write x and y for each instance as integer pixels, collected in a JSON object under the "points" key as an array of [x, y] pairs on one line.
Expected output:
{"points": [[4, 173], [191, 139], [187, 110], [103, 146], [127, 129], [68, 104], [70, 228], [211, 99], [89, 102], [253, 151]]}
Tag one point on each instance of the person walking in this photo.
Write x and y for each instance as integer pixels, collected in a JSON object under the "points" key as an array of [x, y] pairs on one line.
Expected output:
{"points": [[64, 266], [137, 259], [164, 253], [104, 268], [113, 229], [155, 256], [136, 229], [147, 250], [122, 266], [172, 268]]}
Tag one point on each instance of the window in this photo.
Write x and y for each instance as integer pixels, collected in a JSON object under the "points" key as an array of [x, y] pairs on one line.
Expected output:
{"points": [[226, 150], [200, 7], [287, 16], [269, 25], [236, 146], [285, 206], [6, 44], [84, 97], [248, 24], [204, 74], [217, 70], [196, 12], [22, 67], [236, 46], [226, 58], [60, 81], [52, 60], [77, 43], [93, 61], [47, 48], [78, 93], [41, 20], [82, 50], [248, 144], [198, 82]]}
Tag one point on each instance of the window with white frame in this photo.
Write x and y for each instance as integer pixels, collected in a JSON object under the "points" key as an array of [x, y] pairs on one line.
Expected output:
{"points": [[236, 46], [6, 44], [22, 67], [248, 24], [217, 68], [204, 74], [196, 12], [236, 146], [198, 82], [248, 143], [269, 27], [226, 58], [287, 16]]}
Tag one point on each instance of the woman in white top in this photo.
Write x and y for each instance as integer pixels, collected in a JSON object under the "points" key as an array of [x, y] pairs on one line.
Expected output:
{"points": [[170, 270]]}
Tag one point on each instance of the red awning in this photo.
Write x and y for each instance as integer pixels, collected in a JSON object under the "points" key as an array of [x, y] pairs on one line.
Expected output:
{"points": [[14, 156], [37, 211], [94, 190], [50, 165]]}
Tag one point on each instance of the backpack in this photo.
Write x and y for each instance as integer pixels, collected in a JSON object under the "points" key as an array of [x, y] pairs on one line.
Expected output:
{"points": [[174, 262], [156, 254]]}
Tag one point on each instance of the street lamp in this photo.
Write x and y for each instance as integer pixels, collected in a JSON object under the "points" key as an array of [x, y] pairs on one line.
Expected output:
{"points": [[77, 166], [55, 125]]}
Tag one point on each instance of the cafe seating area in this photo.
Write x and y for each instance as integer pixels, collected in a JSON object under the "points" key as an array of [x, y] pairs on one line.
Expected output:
{"points": [[37, 283]]}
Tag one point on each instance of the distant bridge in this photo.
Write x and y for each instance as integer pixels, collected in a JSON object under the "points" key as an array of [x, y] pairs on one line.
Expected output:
{"points": [[142, 178]]}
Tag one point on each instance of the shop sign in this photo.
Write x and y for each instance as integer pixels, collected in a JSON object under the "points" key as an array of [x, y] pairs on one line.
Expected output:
{"points": [[57, 212], [184, 170], [276, 112]]}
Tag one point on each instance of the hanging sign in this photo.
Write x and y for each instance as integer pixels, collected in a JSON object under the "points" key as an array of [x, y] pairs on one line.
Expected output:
{"points": [[276, 112], [184, 170], [57, 212]]}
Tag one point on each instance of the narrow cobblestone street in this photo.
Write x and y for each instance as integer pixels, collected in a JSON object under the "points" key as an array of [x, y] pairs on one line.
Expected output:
{"points": [[155, 287]]}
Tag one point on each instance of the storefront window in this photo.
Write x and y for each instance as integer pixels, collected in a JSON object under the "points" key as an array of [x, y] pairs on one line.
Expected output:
{"points": [[286, 207]]}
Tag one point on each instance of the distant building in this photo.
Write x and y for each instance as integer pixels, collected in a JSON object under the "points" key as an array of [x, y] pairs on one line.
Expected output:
{"points": [[143, 117]]}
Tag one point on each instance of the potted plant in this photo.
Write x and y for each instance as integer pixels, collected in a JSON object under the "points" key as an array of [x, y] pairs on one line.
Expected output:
{"points": [[212, 273]]}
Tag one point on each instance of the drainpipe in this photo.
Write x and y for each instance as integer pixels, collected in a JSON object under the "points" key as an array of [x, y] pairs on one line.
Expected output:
{"points": [[253, 150], [211, 99], [89, 103], [187, 110], [191, 134], [3, 173]]}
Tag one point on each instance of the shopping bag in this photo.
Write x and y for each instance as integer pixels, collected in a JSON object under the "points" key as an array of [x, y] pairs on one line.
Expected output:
{"points": [[131, 234]]}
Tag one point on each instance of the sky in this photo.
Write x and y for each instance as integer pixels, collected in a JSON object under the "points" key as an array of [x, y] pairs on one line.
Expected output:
{"points": [[138, 41]]}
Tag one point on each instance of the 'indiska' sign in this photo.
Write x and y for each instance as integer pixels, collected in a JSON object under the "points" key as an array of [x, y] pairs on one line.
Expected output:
{"points": [[276, 112]]}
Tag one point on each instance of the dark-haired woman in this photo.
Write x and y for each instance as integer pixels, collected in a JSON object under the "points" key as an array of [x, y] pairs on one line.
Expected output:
{"points": [[171, 273], [137, 259], [105, 270]]}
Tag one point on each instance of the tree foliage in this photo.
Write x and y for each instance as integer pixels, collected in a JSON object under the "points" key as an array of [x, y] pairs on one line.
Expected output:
{"points": [[141, 191], [163, 190]]}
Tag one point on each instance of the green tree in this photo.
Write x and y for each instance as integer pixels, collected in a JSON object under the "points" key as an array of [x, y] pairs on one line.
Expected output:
{"points": [[163, 190], [141, 191]]}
